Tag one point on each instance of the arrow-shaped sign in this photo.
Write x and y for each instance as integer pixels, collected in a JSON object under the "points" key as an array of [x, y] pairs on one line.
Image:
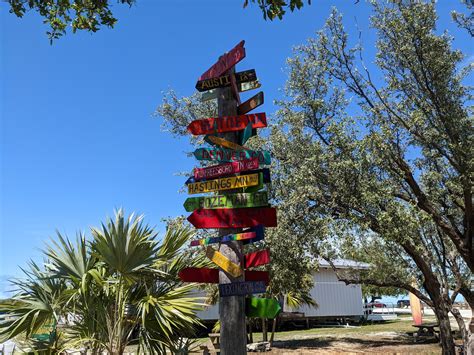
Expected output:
{"points": [[212, 94], [250, 104], [227, 123], [257, 258], [238, 200], [241, 288], [225, 264], [262, 307], [228, 183], [223, 81], [251, 233], [228, 155], [225, 62], [224, 143], [233, 218], [225, 169], [206, 275]]}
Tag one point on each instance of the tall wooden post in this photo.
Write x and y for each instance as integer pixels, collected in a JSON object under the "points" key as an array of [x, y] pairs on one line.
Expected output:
{"points": [[233, 335]]}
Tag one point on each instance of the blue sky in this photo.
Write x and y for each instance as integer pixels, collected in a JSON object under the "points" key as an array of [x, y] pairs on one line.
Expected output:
{"points": [[77, 134]]}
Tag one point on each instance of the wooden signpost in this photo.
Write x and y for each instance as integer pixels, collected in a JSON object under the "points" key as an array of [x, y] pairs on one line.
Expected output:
{"points": [[233, 218], [262, 307], [250, 104], [223, 81], [237, 203], [228, 183], [242, 288], [225, 62], [237, 200], [249, 234], [224, 263], [227, 123], [225, 169], [211, 276], [228, 155]]}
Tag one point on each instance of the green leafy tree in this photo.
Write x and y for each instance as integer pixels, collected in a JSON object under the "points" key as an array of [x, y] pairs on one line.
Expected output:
{"points": [[383, 170], [122, 286]]}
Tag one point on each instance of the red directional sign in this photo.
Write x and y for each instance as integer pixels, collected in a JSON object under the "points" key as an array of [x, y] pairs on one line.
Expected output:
{"points": [[233, 217], [206, 275], [227, 123], [257, 258], [225, 62]]}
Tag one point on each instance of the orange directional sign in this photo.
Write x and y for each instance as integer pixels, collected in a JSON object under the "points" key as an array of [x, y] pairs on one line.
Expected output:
{"points": [[225, 264], [233, 217], [225, 143], [225, 62], [227, 123]]}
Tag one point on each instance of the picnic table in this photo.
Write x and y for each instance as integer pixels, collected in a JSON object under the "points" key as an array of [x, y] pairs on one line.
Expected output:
{"points": [[426, 329], [213, 344]]}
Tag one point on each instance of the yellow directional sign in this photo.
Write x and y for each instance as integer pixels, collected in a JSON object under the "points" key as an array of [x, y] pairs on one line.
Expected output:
{"points": [[225, 143], [229, 183], [224, 263]]}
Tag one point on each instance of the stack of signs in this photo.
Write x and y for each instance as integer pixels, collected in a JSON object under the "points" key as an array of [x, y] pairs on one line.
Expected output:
{"points": [[239, 170]]}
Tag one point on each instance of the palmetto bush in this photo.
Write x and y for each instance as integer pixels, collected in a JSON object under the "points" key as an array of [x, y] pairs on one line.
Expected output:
{"points": [[119, 287]]}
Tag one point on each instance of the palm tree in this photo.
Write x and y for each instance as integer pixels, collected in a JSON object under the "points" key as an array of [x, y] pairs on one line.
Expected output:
{"points": [[120, 287]]}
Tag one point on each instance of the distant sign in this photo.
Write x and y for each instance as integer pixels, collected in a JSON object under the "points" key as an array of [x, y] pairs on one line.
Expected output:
{"points": [[225, 169], [251, 233], [228, 183], [233, 218], [237, 200], [250, 104], [229, 155], [227, 123], [225, 62], [223, 262], [241, 288], [225, 80]]}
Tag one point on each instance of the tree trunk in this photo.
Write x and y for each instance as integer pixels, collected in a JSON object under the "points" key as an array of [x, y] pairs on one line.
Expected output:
{"points": [[445, 336], [273, 331], [264, 329]]}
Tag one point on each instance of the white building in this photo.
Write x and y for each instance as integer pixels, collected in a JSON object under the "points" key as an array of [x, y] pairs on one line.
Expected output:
{"points": [[334, 297]]}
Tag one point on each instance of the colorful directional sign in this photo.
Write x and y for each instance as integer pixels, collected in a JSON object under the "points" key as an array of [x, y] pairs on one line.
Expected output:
{"points": [[245, 134], [223, 81], [228, 183], [206, 275], [228, 155], [238, 200], [225, 62], [250, 104], [262, 307], [242, 288], [225, 169], [251, 233], [233, 218], [224, 143], [227, 123], [223, 262], [261, 257]]}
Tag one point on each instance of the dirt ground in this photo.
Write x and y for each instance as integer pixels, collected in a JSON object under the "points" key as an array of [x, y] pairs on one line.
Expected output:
{"points": [[374, 343]]}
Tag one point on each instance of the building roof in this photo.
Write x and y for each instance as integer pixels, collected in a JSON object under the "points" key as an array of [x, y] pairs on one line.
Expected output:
{"points": [[343, 264]]}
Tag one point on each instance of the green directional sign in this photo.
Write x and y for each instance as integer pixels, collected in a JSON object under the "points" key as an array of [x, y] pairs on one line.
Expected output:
{"points": [[238, 200], [262, 307]]}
